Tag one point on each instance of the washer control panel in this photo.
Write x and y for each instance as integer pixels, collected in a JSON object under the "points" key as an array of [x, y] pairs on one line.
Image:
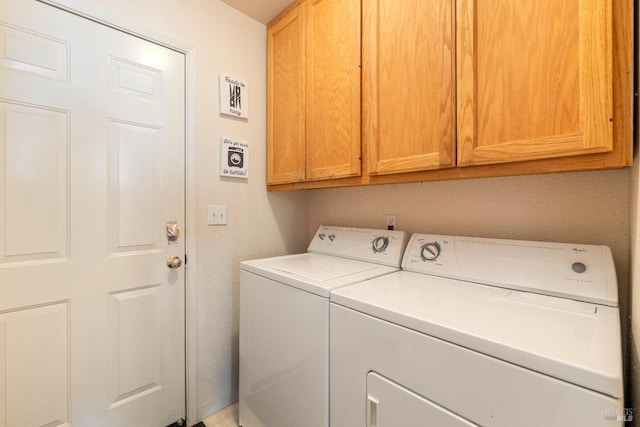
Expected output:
{"points": [[379, 246], [576, 271]]}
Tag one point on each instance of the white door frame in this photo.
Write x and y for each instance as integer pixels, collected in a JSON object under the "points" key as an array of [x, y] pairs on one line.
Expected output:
{"points": [[122, 24]]}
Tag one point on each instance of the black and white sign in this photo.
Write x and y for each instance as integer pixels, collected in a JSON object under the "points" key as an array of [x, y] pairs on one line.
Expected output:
{"points": [[234, 158], [234, 96]]}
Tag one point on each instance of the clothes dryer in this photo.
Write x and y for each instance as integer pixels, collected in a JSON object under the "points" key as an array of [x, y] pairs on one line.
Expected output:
{"points": [[284, 322], [480, 332]]}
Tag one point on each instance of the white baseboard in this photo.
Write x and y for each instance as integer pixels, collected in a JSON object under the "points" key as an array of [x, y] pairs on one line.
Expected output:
{"points": [[215, 407]]}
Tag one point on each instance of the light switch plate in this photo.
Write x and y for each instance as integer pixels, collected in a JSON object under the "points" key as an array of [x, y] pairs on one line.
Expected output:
{"points": [[216, 215]]}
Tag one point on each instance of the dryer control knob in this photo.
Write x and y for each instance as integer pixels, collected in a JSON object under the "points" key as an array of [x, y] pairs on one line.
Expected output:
{"points": [[430, 251]]}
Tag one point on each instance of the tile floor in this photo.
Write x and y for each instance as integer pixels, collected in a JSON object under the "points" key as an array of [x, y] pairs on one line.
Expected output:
{"points": [[227, 417]]}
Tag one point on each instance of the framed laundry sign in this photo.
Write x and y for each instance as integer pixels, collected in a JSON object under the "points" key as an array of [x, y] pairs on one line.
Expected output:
{"points": [[234, 158], [234, 96]]}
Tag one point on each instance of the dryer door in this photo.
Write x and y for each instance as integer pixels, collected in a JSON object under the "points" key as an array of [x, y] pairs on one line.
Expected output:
{"points": [[389, 404]]}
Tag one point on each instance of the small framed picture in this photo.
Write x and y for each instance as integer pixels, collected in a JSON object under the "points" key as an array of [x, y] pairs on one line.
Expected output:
{"points": [[234, 96], [234, 158]]}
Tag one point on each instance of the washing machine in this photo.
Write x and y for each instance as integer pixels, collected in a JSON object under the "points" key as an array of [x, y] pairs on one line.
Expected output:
{"points": [[480, 332], [284, 322]]}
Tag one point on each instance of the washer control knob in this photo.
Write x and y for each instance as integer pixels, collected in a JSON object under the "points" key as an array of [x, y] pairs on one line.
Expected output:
{"points": [[380, 243], [430, 251]]}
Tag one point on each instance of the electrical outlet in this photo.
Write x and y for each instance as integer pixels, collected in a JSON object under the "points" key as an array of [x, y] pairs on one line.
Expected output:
{"points": [[216, 215], [392, 221]]}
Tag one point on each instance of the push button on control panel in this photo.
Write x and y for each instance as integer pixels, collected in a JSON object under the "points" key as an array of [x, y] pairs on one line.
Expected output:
{"points": [[579, 267]]}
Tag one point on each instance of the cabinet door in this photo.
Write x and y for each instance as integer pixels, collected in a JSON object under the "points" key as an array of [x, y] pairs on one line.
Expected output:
{"points": [[534, 79], [333, 89], [286, 98], [408, 85]]}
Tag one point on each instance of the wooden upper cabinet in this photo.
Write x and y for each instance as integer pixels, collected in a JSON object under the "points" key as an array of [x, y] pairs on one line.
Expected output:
{"points": [[534, 79], [286, 98], [408, 85], [333, 89], [451, 89]]}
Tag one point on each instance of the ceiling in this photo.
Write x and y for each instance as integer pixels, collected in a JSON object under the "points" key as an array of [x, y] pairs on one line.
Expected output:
{"points": [[260, 10]]}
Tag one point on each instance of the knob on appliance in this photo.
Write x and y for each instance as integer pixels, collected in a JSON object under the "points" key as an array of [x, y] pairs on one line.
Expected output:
{"points": [[380, 243], [430, 251]]}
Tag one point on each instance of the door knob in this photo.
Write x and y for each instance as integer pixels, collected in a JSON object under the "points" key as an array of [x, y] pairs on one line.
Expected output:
{"points": [[174, 262]]}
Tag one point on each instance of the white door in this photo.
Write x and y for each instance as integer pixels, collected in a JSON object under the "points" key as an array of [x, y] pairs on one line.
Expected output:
{"points": [[91, 171]]}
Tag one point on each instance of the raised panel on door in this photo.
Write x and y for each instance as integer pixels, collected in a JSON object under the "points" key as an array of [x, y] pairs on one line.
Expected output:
{"points": [[286, 98], [135, 197], [534, 79], [135, 351], [333, 89], [408, 85], [35, 383], [33, 159]]}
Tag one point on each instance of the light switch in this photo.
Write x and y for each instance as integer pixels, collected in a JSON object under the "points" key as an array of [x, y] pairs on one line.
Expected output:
{"points": [[216, 215]]}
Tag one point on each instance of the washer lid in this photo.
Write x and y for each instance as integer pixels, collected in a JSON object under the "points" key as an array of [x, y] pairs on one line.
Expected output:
{"points": [[570, 340], [314, 272]]}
